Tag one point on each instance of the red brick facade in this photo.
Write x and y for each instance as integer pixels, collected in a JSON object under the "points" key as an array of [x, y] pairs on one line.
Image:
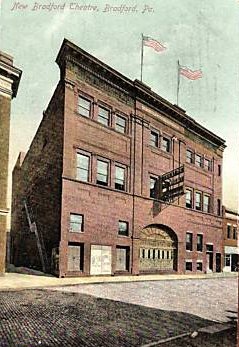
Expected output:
{"points": [[230, 235], [100, 174]]}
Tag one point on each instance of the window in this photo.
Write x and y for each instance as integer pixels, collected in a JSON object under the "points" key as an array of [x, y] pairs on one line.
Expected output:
{"points": [[76, 223], [166, 144], [119, 178], [189, 241], [189, 266], [189, 198], [104, 116], [198, 201], [227, 260], [153, 181], [207, 164], [123, 228], [102, 173], [218, 207], [120, 124], [189, 156], [84, 106], [219, 170], [228, 231], [199, 266], [199, 243], [206, 203], [198, 160], [82, 171], [154, 139], [234, 233], [209, 247]]}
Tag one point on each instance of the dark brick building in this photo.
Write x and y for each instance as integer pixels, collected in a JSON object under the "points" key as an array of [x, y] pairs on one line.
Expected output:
{"points": [[230, 233], [9, 80], [90, 174]]}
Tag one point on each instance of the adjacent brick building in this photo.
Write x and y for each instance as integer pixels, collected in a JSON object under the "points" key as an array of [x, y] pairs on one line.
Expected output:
{"points": [[91, 173], [9, 81], [230, 231]]}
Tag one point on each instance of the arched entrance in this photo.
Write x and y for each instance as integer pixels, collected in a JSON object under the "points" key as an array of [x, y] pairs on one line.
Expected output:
{"points": [[158, 249]]}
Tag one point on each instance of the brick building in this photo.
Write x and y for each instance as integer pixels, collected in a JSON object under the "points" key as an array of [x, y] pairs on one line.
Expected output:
{"points": [[91, 173], [9, 81], [230, 233]]}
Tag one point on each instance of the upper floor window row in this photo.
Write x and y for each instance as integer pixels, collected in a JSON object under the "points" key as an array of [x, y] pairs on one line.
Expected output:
{"points": [[160, 141], [198, 160], [77, 225], [231, 231], [104, 115], [197, 200], [103, 171]]}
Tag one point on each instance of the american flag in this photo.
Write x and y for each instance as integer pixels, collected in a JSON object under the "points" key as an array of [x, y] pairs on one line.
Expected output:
{"points": [[190, 74], [156, 45]]}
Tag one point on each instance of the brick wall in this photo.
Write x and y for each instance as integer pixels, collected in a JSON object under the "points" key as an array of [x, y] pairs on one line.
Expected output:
{"points": [[5, 105], [38, 180]]}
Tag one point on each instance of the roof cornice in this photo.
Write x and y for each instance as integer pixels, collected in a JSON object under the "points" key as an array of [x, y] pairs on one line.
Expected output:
{"points": [[136, 89]]}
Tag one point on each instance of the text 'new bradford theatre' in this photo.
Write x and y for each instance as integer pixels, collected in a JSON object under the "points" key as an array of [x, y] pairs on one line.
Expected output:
{"points": [[116, 180]]}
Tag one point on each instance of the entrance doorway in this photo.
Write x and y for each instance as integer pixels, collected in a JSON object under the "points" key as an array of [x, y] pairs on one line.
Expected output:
{"points": [[75, 256], [218, 262], [209, 257], [234, 262], [158, 249]]}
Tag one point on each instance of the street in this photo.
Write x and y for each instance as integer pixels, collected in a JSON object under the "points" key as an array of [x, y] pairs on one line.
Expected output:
{"points": [[118, 314]]}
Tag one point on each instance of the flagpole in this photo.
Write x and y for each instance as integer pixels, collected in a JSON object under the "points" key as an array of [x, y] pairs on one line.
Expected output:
{"points": [[178, 81], [142, 56]]}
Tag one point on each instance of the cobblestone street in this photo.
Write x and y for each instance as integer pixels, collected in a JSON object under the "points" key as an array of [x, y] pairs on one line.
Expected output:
{"points": [[210, 299], [115, 315]]}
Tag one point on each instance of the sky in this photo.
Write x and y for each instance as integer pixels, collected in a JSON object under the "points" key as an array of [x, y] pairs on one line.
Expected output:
{"points": [[201, 34]]}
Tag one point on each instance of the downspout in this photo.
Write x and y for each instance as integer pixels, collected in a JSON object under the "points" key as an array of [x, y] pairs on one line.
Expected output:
{"points": [[134, 171]]}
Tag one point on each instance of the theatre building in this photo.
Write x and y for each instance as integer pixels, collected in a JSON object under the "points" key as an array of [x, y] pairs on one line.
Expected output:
{"points": [[117, 180]]}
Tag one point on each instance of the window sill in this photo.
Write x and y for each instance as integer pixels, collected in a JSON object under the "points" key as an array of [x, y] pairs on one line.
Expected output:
{"points": [[76, 232], [158, 150]]}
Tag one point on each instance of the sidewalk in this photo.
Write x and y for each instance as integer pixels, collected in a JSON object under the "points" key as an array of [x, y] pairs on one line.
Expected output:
{"points": [[18, 281]]}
